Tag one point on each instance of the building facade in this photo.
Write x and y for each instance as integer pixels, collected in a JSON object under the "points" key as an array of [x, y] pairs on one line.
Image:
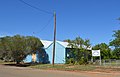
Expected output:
{"points": [[45, 56]]}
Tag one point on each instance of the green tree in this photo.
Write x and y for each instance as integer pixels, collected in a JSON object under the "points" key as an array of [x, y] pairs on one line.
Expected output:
{"points": [[16, 48], [79, 53], [5, 49], [34, 43], [116, 44], [19, 48], [104, 50]]}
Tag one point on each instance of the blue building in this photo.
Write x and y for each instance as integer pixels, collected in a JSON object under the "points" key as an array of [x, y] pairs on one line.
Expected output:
{"points": [[46, 55]]}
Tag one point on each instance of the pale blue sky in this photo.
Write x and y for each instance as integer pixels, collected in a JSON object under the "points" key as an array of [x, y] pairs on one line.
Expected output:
{"points": [[92, 19]]}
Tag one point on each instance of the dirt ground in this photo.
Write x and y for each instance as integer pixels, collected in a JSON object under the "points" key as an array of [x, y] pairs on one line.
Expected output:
{"points": [[12, 71]]}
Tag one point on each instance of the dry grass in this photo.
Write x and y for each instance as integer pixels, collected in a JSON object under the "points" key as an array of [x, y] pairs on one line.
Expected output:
{"points": [[66, 67]]}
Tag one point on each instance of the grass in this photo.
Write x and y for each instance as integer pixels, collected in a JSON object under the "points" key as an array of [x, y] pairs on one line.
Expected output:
{"points": [[64, 67], [14, 64], [1, 62]]}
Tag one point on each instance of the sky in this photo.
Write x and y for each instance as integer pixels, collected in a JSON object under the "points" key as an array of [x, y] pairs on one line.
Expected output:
{"points": [[90, 19]]}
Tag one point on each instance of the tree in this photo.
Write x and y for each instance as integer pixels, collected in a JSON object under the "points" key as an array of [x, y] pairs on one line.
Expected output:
{"points": [[16, 48], [34, 43], [19, 48], [104, 50], [4, 48], [116, 44], [79, 53]]}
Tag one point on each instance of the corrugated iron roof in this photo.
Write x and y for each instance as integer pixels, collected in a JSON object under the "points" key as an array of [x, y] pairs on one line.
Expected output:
{"points": [[47, 43]]}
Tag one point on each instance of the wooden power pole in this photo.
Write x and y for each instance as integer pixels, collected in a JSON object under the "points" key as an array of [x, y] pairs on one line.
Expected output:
{"points": [[54, 41]]}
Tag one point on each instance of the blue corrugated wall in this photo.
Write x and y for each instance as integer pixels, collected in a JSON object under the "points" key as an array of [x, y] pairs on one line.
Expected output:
{"points": [[28, 58], [46, 55], [59, 53]]}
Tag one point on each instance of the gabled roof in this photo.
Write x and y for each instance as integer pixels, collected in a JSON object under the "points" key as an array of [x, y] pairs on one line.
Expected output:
{"points": [[48, 43], [64, 44]]}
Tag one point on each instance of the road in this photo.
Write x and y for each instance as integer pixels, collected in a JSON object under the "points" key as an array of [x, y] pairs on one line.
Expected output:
{"points": [[11, 71]]}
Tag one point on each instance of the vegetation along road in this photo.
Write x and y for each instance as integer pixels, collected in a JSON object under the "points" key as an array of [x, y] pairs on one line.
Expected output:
{"points": [[12, 71]]}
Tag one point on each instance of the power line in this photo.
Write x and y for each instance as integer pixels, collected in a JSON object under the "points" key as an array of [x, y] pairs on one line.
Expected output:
{"points": [[44, 25], [35, 7], [41, 11]]}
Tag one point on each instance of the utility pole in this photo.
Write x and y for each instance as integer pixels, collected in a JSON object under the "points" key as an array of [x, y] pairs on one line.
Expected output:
{"points": [[54, 39]]}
